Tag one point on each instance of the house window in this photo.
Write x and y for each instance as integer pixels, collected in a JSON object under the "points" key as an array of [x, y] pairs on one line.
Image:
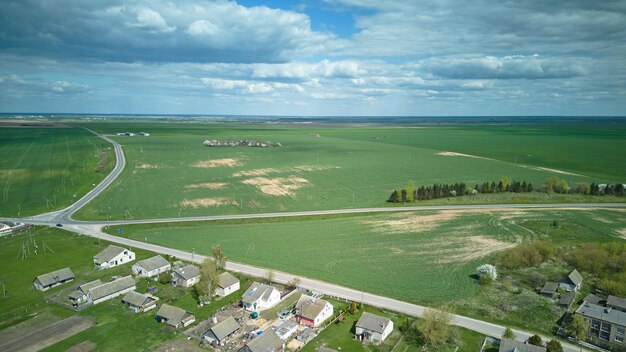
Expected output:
{"points": [[604, 335], [619, 339], [606, 327], [620, 330], [595, 324]]}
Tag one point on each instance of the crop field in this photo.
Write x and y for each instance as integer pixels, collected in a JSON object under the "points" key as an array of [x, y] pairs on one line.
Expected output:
{"points": [[421, 257], [47, 168], [171, 174]]}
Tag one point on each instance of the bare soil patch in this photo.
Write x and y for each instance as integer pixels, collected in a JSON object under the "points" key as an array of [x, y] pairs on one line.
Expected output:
{"points": [[539, 168], [410, 222], [472, 248], [23, 337], [84, 346], [208, 185], [280, 186], [461, 154], [207, 202], [228, 162], [255, 172], [309, 168], [147, 166], [622, 233]]}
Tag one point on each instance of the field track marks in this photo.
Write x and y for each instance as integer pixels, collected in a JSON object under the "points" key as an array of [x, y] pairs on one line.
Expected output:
{"points": [[24, 338], [7, 187]]}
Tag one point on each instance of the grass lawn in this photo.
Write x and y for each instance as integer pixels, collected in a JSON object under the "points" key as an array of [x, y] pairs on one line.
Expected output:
{"points": [[117, 327], [344, 167], [41, 169]]}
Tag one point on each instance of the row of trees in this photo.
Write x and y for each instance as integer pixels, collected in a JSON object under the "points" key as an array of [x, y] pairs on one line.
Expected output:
{"points": [[412, 193], [552, 345]]}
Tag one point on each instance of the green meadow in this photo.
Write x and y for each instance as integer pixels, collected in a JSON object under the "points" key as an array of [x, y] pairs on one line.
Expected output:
{"points": [[171, 174], [44, 169], [421, 257]]}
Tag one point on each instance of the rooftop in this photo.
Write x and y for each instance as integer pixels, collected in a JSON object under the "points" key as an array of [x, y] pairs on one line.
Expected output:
{"points": [[267, 342], [550, 287], [310, 307], [55, 276], [137, 299], [109, 288], [188, 272], [226, 279], [153, 263], [507, 345], [174, 315], [373, 322], [224, 328], [602, 313], [107, 254], [616, 302], [257, 291]]}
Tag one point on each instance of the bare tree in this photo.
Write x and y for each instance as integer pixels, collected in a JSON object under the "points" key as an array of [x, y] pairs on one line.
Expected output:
{"points": [[219, 257]]}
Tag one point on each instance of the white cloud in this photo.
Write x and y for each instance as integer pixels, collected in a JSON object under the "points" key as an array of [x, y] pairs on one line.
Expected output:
{"points": [[150, 20]]}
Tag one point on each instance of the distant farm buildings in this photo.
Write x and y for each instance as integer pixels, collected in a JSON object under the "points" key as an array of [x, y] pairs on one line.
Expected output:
{"points": [[132, 134], [46, 281], [239, 143]]}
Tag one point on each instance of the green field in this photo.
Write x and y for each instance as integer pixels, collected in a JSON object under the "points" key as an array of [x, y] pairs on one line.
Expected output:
{"points": [[334, 166], [425, 257], [43, 169]]}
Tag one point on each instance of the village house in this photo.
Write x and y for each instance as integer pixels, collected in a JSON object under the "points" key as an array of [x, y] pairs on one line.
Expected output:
{"points": [[267, 342], [311, 311], [285, 329], [260, 296], [549, 289], [46, 281], [572, 281], [227, 283], [220, 331], [607, 325], [79, 296], [174, 316], [373, 328], [111, 289], [112, 256], [151, 267], [508, 345], [186, 276], [139, 302]]}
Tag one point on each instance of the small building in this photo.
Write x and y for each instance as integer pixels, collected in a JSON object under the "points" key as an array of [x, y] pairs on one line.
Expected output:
{"points": [[79, 296], [151, 267], [373, 328], [227, 283], [145, 134], [508, 345], [111, 289], [285, 329], [306, 335], [567, 299], [593, 299], [139, 302], [311, 311], [549, 289], [174, 316], [260, 296], [186, 276], [617, 303], [46, 281], [267, 342], [112, 256], [607, 325], [572, 281], [221, 331]]}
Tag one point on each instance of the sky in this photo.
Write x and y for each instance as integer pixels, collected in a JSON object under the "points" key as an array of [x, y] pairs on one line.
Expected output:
{"points": [[314, 58]]}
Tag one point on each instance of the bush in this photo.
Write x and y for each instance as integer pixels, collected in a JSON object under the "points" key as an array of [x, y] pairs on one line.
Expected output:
{"points": [[554, 346], [165, 278], [535, 340]]}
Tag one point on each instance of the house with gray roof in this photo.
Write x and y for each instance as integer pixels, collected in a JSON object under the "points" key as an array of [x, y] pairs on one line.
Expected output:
{"points": [[151, 267], [174, 316], [139, 302], [607, 326], [508, 345], [44, 282], [572, 281], [567, 299], [267, 342], [227, 283], [549, 289], [259, 297], [285, 329], [591, 298], [373, 328], [312, 311], [221, 331], [79, 296], [113, 256], [615, 302], [111, 289], [186, 276]]}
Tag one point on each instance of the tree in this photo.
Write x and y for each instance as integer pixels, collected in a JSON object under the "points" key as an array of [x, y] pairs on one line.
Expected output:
{"points": [[165, 278], [506, 183], [554, 346], [219, 257], [487, 270], [535, 340], [294, 283], [410, 189], [508, 334], [577, 328], [394, 197], [208, 280], [270, 276], [436, 326]]}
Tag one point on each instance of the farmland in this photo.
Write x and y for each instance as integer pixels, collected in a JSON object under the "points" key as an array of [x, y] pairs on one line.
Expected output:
{"points": [[336, 166], [46, 168], [425, 257]]}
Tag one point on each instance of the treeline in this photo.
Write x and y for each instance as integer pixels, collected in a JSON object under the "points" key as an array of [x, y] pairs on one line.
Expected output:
{"points": [[412, 193]]}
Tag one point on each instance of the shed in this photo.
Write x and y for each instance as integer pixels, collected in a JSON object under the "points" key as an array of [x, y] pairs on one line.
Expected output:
{"points": [[221, 330], [267, 342], [174, 316], [572, 281], [139, 302], [44, 282], [111, 289], [549, 289], [567, 299]]}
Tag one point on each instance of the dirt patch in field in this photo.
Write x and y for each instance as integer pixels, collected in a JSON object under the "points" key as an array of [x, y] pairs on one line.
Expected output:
{"points": [[410, 222], [461, 154], [208, 185], [309, 168], [255, 172], [280, 186], [27, 337], [147, 166], [539, 168], [472, 248], [84, 346], [13, 172], [622, 233], [228, 162], [207, 202]]}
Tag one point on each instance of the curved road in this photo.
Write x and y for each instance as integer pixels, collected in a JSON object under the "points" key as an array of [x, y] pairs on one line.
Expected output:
{"points": [[94, 229]]}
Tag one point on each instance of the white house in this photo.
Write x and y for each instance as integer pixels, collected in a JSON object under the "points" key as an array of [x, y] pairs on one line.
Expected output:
{"points": [[111, 289], [151, 267], [226, 284], [186, 276], [139, 302], [373, 327], [113, 256], [46, 281], [260, 297], [311, 311]]}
